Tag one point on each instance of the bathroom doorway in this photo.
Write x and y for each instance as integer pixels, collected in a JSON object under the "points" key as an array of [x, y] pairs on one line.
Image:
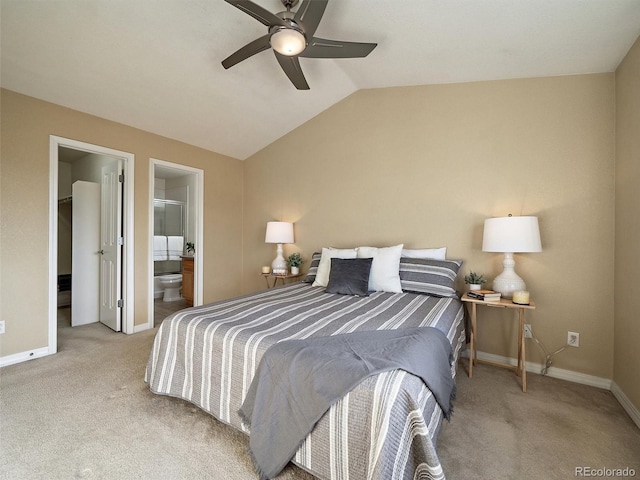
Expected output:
{"points": [[176, 223]]}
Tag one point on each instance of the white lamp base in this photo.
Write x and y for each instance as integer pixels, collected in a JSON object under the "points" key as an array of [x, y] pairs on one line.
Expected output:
{"points": [[279, 264], [508, 281]]}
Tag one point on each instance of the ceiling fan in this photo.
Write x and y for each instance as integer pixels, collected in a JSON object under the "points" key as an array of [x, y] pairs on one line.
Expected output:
{"points": [[291, 36]]}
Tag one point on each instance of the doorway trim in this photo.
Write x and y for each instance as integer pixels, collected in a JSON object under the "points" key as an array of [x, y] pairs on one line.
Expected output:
{"points": [[127, 231], [198, 286]]}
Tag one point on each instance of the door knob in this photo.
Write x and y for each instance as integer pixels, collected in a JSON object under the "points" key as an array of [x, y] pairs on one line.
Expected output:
{"points": [[101, 252]]}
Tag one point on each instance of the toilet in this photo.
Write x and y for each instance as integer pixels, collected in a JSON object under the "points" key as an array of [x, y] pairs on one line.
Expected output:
{"points": [[171, 284]]}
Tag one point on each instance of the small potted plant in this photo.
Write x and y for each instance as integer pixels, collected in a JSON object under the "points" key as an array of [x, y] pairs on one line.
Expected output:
{"points": [[294, 261], [191, 248], [474, 280]]}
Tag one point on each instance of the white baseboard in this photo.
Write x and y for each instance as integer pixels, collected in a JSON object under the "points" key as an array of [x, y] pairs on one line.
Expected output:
{"points": [[553, 372], [629, 407], [24, 356], [142, 327]]}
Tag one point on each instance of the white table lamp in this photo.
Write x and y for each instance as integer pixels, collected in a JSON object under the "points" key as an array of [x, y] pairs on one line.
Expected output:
{"points": [[279, 232], [510, 235]]}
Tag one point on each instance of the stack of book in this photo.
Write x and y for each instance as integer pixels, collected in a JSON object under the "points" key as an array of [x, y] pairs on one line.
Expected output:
{"points": [[484, 295]]}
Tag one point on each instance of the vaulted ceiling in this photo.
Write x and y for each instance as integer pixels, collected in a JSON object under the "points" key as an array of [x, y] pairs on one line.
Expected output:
{"points": [[155, 64]]}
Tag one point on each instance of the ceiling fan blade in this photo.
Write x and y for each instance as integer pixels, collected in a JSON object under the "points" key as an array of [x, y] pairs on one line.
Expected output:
{"points": [[291, 66], [309, 15], [256, 11], [323, 48], [257, 46]]}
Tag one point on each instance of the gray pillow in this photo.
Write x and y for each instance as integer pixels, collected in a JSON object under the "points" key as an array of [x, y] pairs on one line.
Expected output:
{"points": [[313, 268], [433, 277], [349, 276]]}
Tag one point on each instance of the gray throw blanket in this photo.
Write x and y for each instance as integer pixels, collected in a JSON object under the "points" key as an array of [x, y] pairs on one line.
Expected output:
{"points": [[297, 381]]}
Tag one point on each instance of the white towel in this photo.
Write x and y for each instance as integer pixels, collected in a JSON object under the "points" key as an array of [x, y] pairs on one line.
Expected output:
{"points": [[160, 250], [175, 247]]}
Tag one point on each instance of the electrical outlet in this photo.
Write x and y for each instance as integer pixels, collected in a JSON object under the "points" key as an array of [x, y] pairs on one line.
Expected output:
{"points": [[573, 339], [1, 326], [527, 330]]}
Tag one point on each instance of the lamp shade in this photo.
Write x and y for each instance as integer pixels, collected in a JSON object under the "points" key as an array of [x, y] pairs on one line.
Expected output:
{"points": [[279, 232], [511, 234]]}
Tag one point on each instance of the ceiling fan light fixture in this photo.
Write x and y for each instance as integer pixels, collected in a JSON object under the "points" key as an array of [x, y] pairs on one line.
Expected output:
{"points": [[288, 41]]}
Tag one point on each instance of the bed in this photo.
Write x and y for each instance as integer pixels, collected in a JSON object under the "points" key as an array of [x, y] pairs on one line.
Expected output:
{"points": [[385, 428]]}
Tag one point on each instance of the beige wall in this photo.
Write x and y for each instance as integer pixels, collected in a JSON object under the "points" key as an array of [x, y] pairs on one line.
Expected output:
{"points": [[24, 210], [627, 301], [420, 165], [426, 165]]}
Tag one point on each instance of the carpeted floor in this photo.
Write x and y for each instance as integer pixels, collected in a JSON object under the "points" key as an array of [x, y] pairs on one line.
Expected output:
{"points": [[86, 413]]}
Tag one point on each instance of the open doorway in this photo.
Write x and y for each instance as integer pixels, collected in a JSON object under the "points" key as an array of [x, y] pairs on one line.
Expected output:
{"points": [[175, 238], [101, 180]]}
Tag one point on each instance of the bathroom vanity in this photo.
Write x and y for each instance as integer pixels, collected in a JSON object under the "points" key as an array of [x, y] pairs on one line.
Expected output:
{"points": [[187, 278]]}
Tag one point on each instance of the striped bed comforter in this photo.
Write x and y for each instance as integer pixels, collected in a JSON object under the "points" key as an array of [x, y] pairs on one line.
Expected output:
{"points": [[385, 428]]}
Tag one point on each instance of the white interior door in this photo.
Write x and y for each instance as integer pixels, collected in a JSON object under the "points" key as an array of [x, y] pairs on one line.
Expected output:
{"points": [[111, 246], [85, 261]]}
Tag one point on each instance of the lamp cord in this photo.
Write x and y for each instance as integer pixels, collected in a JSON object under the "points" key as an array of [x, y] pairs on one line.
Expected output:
{"points": [[547, 357]]}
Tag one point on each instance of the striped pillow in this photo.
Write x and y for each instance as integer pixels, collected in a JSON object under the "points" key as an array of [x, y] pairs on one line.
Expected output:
{"points": [[313, 268], [433, 277]]}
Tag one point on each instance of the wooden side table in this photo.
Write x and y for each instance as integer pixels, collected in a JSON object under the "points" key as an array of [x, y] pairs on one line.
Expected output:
{"points": [[521, 368], [267, 276]]}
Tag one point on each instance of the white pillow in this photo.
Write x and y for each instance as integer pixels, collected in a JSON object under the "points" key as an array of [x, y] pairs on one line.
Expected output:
{"points": [[385, 268], [430, 253], [324, 267]]}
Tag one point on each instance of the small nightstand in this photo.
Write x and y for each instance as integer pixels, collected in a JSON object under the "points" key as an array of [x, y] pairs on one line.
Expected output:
{"points": [[521, 368], [267, 276]]}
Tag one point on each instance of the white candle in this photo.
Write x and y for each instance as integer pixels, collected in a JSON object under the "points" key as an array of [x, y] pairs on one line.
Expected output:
{"points": [[266, 269], [521, 297]]}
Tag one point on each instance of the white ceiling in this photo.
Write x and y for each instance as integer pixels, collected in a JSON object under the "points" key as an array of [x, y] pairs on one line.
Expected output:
{"points": [[155, 64]]}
